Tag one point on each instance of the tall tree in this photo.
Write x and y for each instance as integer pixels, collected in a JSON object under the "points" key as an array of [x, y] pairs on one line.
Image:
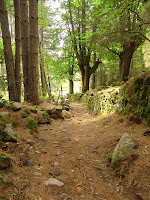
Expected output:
{"points": [[8, 52], [25, 47], [81, 34], [33, 51], [18, 48], [127, 33]]}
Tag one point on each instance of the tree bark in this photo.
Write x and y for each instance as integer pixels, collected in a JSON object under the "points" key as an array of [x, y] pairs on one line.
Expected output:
{"points": [[18, 47], [8, 52], [25, 47], [71, 80], [33, 51], [42, 70], [125, 61]]}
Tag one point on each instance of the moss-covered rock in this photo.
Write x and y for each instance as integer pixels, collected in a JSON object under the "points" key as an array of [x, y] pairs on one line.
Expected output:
{"points": [[101, 102], [43, 117], [76, 97], [33, 109], [32, 124], [24, 114], [5, 161]]}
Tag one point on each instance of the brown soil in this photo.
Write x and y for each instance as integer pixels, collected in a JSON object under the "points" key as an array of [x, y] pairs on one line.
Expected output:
{"points": [[83, 159]]}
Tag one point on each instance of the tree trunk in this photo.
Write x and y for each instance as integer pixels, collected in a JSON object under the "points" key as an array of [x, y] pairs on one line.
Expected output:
{"points": [[85, 79], [18, 46], [49, 87], [2, 79], [8, 52], [42, 70], [125, 61], [71, 80], [33, 51], [25, 47], [93, 75]]}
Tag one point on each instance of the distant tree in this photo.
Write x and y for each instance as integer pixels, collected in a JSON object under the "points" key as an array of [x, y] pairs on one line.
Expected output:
{"points": [[81, 32]]}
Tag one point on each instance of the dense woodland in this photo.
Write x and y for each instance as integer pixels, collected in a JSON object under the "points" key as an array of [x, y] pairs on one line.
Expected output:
{"points": [[46, 43]]}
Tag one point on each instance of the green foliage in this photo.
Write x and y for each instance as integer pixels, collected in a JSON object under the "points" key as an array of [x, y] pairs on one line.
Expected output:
{"points": [[13, 123], [32, 124], [27, 111], [24, 114], [3, 125], [42, 109], [5, 160], [34, 110], [75, 97]]}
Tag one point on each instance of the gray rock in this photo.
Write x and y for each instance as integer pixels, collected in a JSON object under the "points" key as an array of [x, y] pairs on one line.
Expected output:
{"points": [[9, 135], [53, 181], [43, 117], [16, 106], [120, 153]]}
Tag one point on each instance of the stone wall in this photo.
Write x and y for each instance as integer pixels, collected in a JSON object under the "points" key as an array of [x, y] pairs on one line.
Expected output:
{"points": [[131, 97]]}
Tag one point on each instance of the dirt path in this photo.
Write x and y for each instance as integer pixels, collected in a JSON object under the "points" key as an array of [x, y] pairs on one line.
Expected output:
{"points": [[74, 151]]}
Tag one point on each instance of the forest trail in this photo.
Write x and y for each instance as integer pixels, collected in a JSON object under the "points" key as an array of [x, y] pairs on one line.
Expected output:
{"points": [[74, 151]]}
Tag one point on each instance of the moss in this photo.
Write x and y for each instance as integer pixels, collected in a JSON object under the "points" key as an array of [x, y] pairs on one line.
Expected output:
{"points": [[13, 123], [24, 114], [3, 125], [3, 144], [3, 117], [32, 124], [109, 157], [148, 117], [128, 107], [5, 161], [27, 111], [42, 109], [46, 116], [116, 167], [34, 110], [75, 97]]}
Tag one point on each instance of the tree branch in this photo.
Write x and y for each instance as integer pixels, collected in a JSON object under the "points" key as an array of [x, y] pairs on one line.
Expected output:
{"points": [[95, 66]]}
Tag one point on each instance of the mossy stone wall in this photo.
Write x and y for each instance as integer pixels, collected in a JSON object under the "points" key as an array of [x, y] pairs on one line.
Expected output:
{"points": [[131, 97]]}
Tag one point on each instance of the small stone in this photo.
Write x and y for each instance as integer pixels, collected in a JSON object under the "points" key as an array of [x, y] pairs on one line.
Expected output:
{"points": [[65, 139], [53, 181], [65, 197], [56, 164], [54, 173], [58, 153], [37, 173]]}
